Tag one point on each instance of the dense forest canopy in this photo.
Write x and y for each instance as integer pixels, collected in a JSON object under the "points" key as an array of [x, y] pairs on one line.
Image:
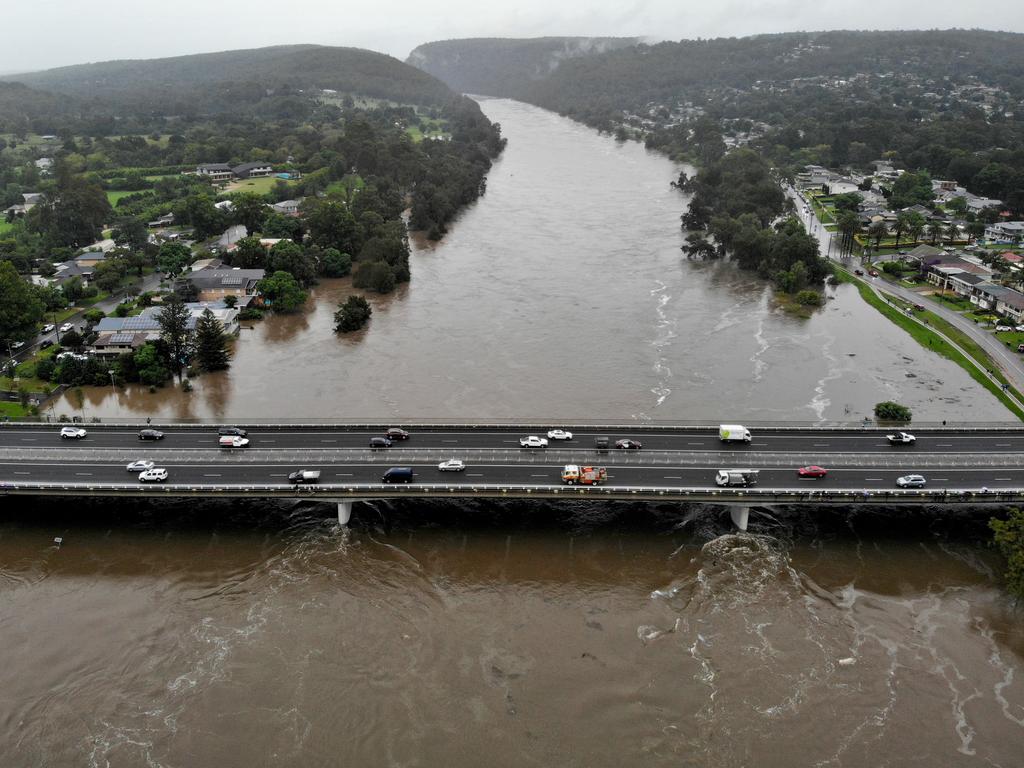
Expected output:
{"points": [[227, 81], [504, 66]]}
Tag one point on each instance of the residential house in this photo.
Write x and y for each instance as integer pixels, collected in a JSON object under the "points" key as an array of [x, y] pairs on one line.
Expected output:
{"points": [[1011, 304], [229, 238], [977, 204], [119, 335], [29, 201], [1005, 232], [252, 170], [216, 283], [214, 171], [286, 207], [941, 271], [162, 221], [839, 185]]}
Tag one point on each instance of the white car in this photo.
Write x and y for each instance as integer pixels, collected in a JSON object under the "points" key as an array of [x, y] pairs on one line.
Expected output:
{"points": [[452, 465], [49, 328], [142, 465], [156, 475], [72, 433], [910, 481], [559, 434], [1002, 328], [1018, 328], [66, 327], [533, 441], [18, 345]]}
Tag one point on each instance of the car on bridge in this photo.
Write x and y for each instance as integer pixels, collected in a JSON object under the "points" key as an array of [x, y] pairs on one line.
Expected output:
{"points": [[376, 443], [155, 475], [533, 441], [228, 441], [452, 465], [151, 434], [301, 476], [398, 475], [233, 431], [910, 481], [559, 434], [629, 444], [140, 465], [72, 433], [812, 470], [901, 438], [396, 434]]}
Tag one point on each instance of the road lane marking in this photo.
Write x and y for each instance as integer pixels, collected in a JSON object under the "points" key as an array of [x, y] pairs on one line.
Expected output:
{"points": [[328, 441], [673, 477], [940, 479], [23, 473], [84, 474], [28, 439], [943, 445], [538, 475], [1004, 479], [821, 445], [281, 475], [695, 443], [262, 440], [449, 441], [206, 475], [1002, 445], [873, 479], [474, 474], [343, 474]]}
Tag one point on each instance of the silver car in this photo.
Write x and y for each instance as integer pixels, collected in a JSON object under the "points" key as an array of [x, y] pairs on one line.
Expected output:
{"points": [[910, 481]]}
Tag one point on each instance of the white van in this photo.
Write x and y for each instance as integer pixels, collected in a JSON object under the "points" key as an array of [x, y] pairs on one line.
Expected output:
{"points": [[233, 441], [733, 433]]}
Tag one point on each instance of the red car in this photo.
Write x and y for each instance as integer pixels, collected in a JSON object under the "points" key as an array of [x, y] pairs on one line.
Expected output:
{"points": [[873, 273], [396, 434], [812, 471]]}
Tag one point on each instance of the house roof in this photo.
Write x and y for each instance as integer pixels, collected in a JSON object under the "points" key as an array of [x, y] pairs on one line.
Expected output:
{"points": [[249, 167], [926, 251], [1013, 299], [212, 279], [214, 167], [967, 277]]}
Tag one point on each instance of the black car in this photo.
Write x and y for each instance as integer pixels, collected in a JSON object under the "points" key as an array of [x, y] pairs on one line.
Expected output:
{"points": [[396, 434], [629, 444], [234, 431], [151, 434], [45, 343], [377, 443]]}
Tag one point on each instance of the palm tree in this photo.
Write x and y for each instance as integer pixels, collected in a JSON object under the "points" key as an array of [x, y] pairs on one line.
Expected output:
{"points": [[952, 231], [877, 231], [936, 230]]}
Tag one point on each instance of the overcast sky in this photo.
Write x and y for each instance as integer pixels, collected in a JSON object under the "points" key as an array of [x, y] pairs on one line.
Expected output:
{"points": [[38, 34]]}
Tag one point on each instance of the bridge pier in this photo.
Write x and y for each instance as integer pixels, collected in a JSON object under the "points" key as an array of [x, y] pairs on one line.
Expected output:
{"points": [[740, 516], [345, 509]]}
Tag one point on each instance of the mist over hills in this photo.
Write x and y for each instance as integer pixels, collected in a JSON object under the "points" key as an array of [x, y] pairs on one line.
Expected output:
{"points": [[505, 66]]}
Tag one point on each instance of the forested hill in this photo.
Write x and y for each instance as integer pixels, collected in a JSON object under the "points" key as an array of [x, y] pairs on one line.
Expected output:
{"points": [[20, 105], [504, 66], [634, 77], [227, 81]]}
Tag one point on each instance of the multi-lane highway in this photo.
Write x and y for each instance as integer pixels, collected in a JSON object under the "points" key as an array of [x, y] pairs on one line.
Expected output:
{"points": [[672, 460]]}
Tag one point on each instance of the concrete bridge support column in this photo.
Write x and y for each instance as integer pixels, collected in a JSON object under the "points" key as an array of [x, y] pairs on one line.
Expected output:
{"points": [[345, 509], [740, 516]]}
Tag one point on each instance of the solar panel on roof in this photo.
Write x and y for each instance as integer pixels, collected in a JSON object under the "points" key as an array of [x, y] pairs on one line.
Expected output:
{"points": [[233, 280], [122, 338]]}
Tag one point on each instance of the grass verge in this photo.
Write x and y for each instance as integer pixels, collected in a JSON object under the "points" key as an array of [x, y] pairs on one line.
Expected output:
{"points": [[932, 341]]}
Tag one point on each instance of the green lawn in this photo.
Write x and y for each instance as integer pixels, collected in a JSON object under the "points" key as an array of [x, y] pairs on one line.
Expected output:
{"points": [[260, 186], [5, 225], [12, 410], [114, 195]]}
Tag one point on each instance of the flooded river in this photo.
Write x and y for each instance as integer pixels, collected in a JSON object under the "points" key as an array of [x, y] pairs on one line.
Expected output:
{"points": [[562, 294], [171, 634]]}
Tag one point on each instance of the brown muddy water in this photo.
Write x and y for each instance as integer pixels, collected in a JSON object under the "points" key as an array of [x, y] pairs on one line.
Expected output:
{"points": [[256, 634], [562, 295], [505, 635]]}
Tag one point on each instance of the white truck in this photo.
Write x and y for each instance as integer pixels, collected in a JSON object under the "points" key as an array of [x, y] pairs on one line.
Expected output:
{"points": [[733, 433], [734, 477], [304, 476], [901, 438]]}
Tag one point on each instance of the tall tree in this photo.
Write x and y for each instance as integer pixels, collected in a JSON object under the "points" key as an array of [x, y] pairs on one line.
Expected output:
{"points": [[281, 292], [173, 258], [212, 352], [352, 314], [173, 320], [21, 309]]}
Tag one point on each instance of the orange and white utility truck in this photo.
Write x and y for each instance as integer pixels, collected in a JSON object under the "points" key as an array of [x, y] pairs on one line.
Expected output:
{"points": [[573, 474]]}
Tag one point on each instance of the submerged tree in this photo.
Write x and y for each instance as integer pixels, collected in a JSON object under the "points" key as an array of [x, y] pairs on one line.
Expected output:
{"points": [[1008, 536], [211, 343], [352, 314]]}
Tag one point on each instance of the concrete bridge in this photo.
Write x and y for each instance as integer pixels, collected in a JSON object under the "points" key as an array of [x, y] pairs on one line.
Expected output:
{"points": [[962, 465]]}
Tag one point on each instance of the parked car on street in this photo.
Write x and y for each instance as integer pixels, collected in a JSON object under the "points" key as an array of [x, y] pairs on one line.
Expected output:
{"points": [[66, 327], [72, 433], [1003, 328], [18, 345], [910, 481], [155, 475]]}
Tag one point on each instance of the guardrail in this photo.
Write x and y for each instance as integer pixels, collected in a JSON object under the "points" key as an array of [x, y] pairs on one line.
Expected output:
{"points": [[534, 426], [363, 491]]}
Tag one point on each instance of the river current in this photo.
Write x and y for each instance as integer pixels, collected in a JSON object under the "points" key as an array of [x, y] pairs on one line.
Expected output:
{"points": [[172, 634]]}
